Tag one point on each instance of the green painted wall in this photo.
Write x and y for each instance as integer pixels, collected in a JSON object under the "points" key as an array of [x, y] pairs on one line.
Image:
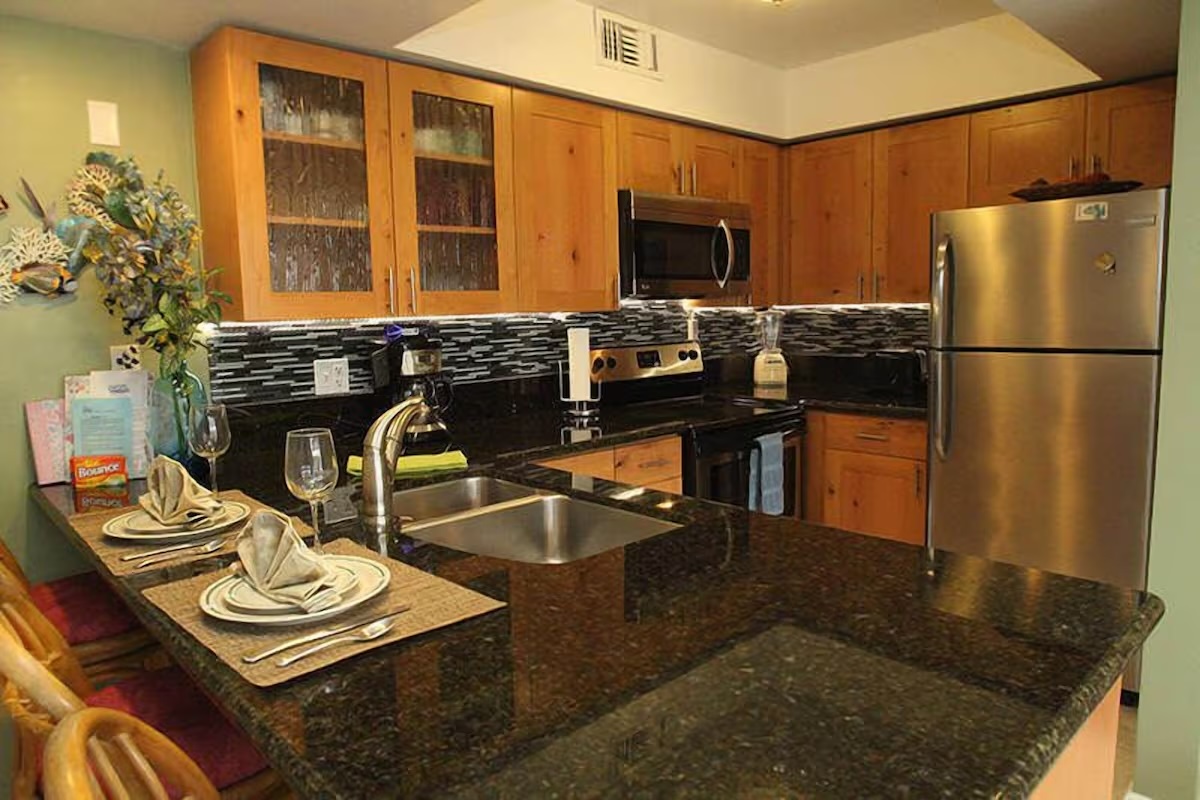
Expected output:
{"points": [[1169, 715], [47, 73]]}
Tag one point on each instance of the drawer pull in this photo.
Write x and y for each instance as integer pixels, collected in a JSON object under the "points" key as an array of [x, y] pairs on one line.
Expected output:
{"points": [[872, 437], [662, 462]]}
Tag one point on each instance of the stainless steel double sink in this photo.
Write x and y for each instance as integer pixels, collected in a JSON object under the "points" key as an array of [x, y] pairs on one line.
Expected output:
{"points": [[492, 517]]}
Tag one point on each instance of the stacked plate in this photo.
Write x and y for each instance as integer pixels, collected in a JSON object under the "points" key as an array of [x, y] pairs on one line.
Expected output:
{"points": [[234, 598], [139, 526]]}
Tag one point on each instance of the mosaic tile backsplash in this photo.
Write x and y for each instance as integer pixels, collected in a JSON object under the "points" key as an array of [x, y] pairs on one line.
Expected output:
{"points": [[270, 362]]}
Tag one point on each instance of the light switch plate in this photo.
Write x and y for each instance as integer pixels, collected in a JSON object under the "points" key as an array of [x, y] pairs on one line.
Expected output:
{"points": [[103, 127], [331, 376]]}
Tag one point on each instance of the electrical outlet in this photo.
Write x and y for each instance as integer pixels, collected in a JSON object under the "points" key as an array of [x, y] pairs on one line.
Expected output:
{"points": [[331, 376]]}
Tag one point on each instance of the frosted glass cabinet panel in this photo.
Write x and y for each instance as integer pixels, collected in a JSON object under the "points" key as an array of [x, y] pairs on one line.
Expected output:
{"points": [[297, 137], [452, 146]]}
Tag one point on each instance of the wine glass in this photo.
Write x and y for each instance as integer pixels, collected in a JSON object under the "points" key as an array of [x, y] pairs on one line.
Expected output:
{"points": [[311, 469], [208, 436]]}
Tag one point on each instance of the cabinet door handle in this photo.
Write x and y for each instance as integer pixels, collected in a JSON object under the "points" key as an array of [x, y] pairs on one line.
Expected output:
{"points": [[875, 293], [860, 287], [1096, 163], [391, 290], [694, 177], [919, 479], [412, 288], [872, 437], [682, 179]]}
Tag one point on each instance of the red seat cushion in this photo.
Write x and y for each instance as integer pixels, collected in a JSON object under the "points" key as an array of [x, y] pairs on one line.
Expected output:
{"points": [[169, 701], [83, 608]]}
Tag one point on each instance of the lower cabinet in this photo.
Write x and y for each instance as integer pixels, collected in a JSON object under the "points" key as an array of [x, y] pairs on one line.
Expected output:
{"points": [[655, 464], [867, 474]]}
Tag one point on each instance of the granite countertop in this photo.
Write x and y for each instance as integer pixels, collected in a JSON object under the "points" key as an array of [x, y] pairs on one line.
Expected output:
{"points": [[739, 654]]}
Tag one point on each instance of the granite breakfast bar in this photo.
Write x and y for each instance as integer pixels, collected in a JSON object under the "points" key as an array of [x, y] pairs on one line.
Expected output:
{"points": [[738, 653]]}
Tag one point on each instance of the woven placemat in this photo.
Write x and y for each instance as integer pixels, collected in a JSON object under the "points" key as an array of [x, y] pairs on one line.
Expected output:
{"points": [[433, 603], [89, 525]]}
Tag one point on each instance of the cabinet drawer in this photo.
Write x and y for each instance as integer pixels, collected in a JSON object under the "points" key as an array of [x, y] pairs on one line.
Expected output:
{"points": [[596, 463], [649, 462], [670, 485], [881, 435]]}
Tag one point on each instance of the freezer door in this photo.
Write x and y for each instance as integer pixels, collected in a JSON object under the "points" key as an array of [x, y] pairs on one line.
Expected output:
{"points": [[1078, 274], [1044, 460]]}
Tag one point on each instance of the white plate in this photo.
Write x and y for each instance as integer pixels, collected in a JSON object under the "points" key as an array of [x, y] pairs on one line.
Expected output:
{"points": [[373, 578], [142, 522], [242, 597], [234, 513]]}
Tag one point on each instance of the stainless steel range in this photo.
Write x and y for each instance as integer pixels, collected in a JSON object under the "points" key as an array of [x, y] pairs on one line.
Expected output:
{"points": [[723, 443]]}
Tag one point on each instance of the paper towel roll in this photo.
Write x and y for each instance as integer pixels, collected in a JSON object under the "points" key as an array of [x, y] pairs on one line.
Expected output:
{"points": [[579, 363]]}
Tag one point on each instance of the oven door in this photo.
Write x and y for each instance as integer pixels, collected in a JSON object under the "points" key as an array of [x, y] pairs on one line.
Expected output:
{"points": [[718, 468], [675, 248]]}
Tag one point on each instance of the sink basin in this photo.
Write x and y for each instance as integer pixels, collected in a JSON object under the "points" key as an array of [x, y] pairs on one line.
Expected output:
{"points": [[453, 497], [550, 529]]}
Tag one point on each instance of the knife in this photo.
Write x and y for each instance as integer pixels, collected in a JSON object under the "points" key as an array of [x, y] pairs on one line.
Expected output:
{"points": [[321, 634]]}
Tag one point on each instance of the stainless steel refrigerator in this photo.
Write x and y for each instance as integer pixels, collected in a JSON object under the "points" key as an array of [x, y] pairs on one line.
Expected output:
{"points": [[1045, 346]]}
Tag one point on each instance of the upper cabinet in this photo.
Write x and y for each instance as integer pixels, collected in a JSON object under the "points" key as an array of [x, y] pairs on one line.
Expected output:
{"points": [[565, 159], [1013, 146], [670, 158], [829, 205], [918, 170], [1131, 131], [292, 154], [762, 189], [452, 153]]}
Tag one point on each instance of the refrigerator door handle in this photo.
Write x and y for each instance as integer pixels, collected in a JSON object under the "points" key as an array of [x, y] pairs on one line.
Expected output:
{"points": [[942, 403], [943, 269]]}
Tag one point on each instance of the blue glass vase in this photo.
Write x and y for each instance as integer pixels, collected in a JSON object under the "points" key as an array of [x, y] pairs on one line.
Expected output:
{"points": [[171, 404]]}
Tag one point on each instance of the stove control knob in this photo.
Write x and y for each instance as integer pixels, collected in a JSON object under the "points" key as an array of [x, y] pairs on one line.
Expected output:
{"points": [[612, 362], [693, 354], [683, 355], [598, 365]]}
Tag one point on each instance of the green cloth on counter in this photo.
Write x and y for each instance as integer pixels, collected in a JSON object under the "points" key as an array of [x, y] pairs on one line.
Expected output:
{"points": [[407, 465]]}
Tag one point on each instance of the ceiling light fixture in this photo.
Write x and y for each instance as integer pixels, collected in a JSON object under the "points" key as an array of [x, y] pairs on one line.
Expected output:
{"points": [[774, 2]]}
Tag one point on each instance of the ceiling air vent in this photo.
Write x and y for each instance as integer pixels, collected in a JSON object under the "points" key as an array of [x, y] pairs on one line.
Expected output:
{"points": [[624, 44]]}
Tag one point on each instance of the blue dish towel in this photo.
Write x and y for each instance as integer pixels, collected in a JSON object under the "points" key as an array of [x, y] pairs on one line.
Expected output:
{"points": [[766, 475]]}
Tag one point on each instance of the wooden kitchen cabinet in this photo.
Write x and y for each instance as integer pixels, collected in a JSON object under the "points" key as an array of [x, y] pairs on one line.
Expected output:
{"points": [[452, 174], [762, 189], [918, 170], [829, 230], [867, 474], [565, 159], [880, 495], [655, 463], [292, 160], [1131, 131], [1015, 145], [669, 158], [651, 154]]}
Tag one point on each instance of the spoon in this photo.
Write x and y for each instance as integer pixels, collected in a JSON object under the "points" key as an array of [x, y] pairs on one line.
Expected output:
{"points": [[367, 633], [200, 549]]}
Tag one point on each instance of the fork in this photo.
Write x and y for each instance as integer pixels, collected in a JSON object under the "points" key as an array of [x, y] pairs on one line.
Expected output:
{"points": [[367, 633], [173, 548]]}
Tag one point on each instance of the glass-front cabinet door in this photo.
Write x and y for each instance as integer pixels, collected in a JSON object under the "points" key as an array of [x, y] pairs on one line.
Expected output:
{"points": [[296, 203], [452, 167]]}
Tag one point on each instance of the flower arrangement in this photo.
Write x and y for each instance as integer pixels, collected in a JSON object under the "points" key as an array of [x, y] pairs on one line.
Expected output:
{"points": [[140, 240]]}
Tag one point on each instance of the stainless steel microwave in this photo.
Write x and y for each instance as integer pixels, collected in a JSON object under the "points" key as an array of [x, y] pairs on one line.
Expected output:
{"points": [[683, 247]]}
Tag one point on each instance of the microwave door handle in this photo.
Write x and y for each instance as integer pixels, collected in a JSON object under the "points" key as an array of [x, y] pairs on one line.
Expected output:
{"points": [[722, 227]]}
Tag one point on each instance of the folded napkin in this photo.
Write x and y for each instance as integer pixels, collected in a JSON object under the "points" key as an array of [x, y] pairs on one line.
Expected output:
{"points": [[278, 563], [173, 497], [406, 465]]}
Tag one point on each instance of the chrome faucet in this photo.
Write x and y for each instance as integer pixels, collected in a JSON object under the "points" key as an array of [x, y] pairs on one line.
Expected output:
{"points": [[381, 447]]}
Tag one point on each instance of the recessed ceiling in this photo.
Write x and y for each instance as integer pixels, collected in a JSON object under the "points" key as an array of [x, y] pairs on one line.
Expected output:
{"points": [[798, 32], [361, 24]]}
